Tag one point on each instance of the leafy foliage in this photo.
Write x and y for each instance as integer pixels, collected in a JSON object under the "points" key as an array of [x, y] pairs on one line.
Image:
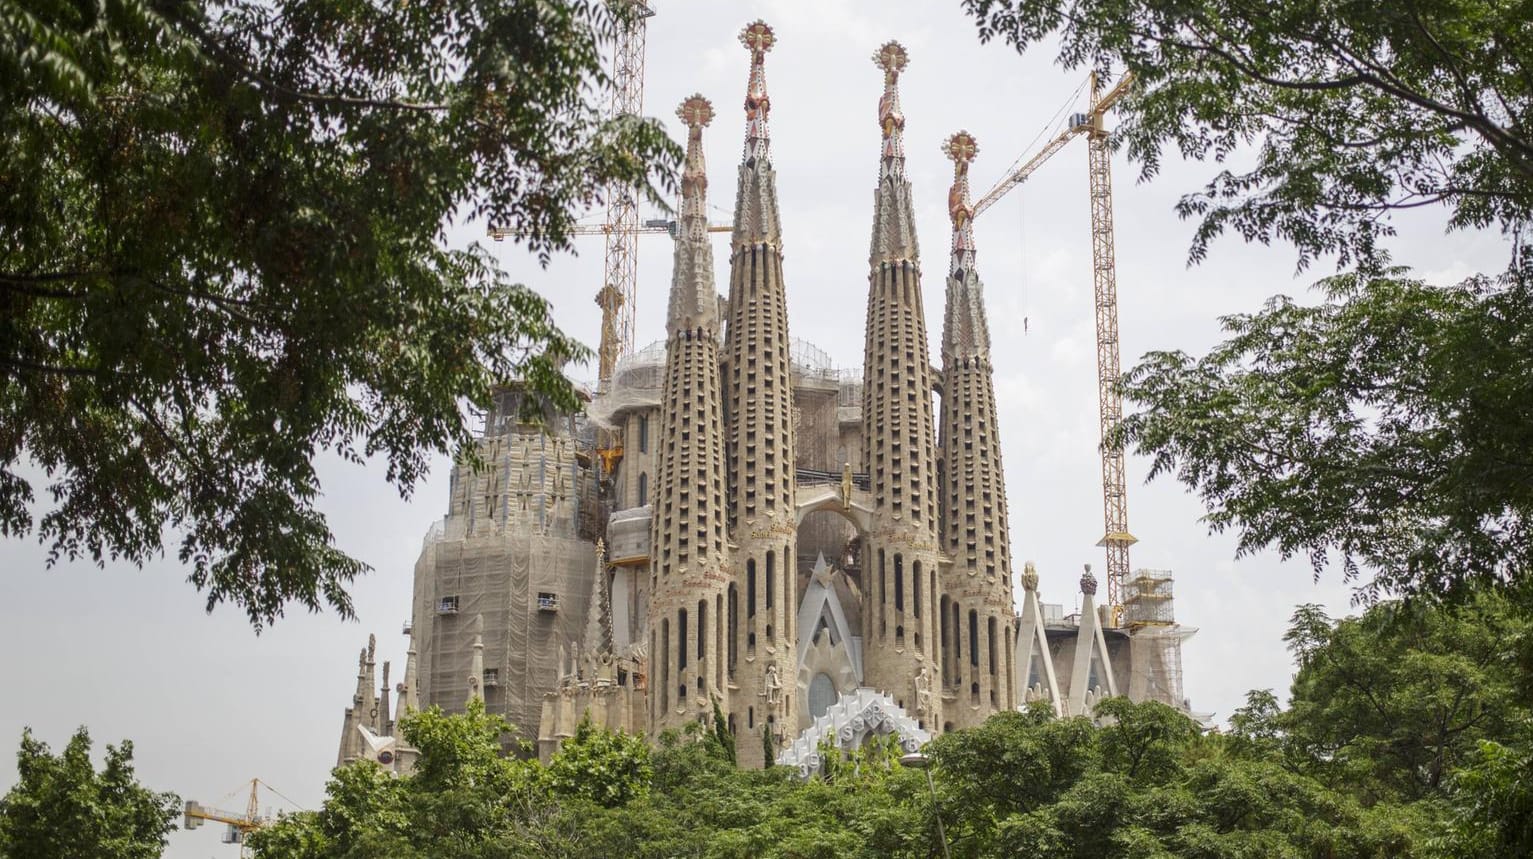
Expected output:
{"points": [[1392, 702], [607, 768], [62, 807], [1354, 109], [1388, 425], [222, 252], [1407, 736]]}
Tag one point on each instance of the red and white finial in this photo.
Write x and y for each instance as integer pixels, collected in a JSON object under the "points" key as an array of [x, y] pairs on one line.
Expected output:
{"points": [[961, 148], [892, 58], [758, 38]]}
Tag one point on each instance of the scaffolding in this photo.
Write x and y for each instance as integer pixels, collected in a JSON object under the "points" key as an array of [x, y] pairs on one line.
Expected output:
{"points": [[1147, 599], [1155, 664]]}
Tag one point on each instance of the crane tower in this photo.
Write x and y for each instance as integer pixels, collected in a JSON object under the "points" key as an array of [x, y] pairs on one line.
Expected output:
{"points": [[1116, 538], [617, 295]]}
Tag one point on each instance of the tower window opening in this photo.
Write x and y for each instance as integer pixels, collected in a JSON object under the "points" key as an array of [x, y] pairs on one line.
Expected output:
{"points": [[681, 639], [973, 638]]}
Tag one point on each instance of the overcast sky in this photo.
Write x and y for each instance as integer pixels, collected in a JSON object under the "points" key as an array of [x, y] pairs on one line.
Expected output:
{"points": [[131, 654]]}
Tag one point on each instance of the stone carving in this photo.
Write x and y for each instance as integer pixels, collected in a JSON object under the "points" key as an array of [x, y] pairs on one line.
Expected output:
{"points": [[773, 684]]}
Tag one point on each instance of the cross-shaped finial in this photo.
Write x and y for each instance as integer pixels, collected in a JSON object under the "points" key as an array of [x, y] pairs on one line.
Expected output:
{"points": [[892, 58], [961, 148], [758, 37], [696, 111]]}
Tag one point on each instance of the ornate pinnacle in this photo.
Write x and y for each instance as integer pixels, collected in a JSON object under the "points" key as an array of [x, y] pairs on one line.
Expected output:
{"points": [[1088, 582], [892, 58], [1029, 577], [758, 38], [961, 148], [696, 111]]}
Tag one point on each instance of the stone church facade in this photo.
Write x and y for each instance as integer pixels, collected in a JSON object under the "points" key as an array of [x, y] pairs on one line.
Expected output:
{"points": [[734, 524]]}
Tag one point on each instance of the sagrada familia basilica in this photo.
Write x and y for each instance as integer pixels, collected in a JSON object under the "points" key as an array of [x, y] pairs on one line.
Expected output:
{"points": [[733, 524]]}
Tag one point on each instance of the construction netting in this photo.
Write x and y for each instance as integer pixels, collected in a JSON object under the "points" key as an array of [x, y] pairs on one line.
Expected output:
{"points": [[515, 553], [636, 383], [1155, 668]]}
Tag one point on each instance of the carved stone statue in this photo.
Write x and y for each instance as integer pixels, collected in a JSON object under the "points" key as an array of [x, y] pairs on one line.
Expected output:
{"points": [[773, 683], [923, 684]]}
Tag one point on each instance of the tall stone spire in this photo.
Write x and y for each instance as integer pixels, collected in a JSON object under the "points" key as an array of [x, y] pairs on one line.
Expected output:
{"points": [[694, 294], [899, 453], [894, 230], [756, 203], [759, 416], [974, 520], [691, 554]]}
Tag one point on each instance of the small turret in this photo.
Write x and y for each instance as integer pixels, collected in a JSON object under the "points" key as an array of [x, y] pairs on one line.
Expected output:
{"points": [[476, 662]]}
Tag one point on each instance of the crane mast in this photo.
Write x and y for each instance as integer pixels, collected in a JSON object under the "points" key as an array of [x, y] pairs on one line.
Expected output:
{"points": [[617, 295], [1116, 538]]}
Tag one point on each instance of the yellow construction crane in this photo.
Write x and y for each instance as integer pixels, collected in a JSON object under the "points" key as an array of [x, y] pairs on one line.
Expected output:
{"points": [[239, 825], [1116, 538]]}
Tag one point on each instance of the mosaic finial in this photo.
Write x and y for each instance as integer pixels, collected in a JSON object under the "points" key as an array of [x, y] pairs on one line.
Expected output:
{"points": [[892, 58], [695, 111], [961, 149], [758, 37]]}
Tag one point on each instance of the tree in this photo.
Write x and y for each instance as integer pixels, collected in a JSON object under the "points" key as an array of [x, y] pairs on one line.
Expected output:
{"points": [[1388, 426], [605, 767], [1354, 109], [62, 807], [224, 252], [1391, 703]]}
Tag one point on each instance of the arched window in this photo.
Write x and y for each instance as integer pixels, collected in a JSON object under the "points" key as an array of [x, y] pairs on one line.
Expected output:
{"points": [[643, 489], [643, 433], [822, 694]]}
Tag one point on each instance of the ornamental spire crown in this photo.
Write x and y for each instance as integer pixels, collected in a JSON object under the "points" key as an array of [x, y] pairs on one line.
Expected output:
{"points": [[694, 305], [758, 38], [892, 58], [961, 148]]}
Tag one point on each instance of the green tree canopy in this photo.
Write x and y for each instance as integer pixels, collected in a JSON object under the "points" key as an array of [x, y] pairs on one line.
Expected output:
{"points": [[1388, 427], [63, 807], [223, 251], [1354, 109]]}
